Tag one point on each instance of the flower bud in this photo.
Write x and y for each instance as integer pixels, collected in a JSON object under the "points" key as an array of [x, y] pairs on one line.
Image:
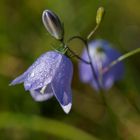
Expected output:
{"points": [[99, 15], [53, 24]]}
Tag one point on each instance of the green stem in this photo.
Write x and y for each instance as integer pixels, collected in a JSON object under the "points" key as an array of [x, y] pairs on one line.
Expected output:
{"points": [[92, 66], [39, 124], [121, 58], [78, 57], [71, 51], [93, 32], [99, 17]]}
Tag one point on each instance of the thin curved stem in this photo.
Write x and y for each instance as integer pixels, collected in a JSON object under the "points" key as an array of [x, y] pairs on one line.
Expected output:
{"points": [[121, 58], [90, 59], [98, 80], [76, 55], [92, 67], [93, 32]]}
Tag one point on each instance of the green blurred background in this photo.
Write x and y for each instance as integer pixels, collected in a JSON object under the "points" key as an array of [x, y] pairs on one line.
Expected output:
{"points": [[23, 38]]}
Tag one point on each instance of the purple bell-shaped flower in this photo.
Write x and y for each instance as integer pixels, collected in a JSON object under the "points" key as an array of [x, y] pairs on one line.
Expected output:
{"points": [[50, 75], [102, 54]]}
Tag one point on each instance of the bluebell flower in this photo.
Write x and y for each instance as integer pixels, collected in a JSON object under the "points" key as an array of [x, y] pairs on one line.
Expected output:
{"points": [[102, 54], [50, 75]]}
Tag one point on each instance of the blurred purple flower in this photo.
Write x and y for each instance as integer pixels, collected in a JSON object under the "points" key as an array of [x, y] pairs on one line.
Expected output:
{"points": [[50, 75], [102, 55]]}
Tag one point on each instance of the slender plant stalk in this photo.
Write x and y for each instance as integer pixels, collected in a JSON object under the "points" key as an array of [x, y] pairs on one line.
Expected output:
{"points": [[121, 58], [87, 47], [90, 59], [78, 57], [99, 82], [92, 67], [93, 32], [71, 51], [99, 17]]}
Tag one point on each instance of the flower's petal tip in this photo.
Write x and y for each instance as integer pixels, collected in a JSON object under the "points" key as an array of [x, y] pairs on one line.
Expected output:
{"points": [[67, 108], [14, 82], [20, 79], [11, 84]]}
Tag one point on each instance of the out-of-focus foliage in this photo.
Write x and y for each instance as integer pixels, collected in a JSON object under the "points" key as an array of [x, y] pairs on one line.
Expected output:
{"points": [[23, 38]]}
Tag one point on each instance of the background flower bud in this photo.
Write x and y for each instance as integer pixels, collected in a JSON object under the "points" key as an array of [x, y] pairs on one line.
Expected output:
{"points": [[100, 14], [53, 24]]}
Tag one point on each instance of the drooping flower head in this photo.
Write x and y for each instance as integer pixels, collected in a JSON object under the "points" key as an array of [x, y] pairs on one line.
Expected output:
{"points": [[50, 75], [102, 54]]}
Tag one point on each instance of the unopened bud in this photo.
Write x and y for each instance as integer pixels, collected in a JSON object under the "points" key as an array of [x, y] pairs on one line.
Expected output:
{"points": [[53, 24], [99, 15]]}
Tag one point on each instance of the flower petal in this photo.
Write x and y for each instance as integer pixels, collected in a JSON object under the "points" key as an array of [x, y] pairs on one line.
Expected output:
{"points": [[42, 71], [38, 96], [67, 108], [20, 79], [111, 54], [61, 84], [118, 69], [85, 72], [102, 55], [108, 81]]}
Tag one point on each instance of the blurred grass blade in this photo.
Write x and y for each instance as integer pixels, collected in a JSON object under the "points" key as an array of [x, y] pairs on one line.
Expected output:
{"points": [[36, 123]]}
